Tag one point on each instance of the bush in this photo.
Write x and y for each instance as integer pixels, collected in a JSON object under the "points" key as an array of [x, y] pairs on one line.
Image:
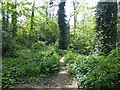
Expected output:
{"points": [[48, 32], [94, 71], [7, 47], [38, 61], [82, 41]]}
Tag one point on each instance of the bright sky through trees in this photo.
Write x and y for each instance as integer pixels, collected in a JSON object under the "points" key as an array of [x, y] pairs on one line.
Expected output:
{"points": [[68, 7]]}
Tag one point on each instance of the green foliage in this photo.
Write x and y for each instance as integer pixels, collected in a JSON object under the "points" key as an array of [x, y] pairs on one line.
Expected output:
{"points": [[83, 41], [38, 61], [94, 71], [24, 56], [32, 54], [7, 44], [48, 31], [61, 52], [106, 26]]}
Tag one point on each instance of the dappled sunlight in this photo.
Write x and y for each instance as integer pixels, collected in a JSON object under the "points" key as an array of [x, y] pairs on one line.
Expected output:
{"points": [[60, 44], [63, 72]]}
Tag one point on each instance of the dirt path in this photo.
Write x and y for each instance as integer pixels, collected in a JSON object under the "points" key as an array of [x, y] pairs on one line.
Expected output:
{"points": [[60, 80]]}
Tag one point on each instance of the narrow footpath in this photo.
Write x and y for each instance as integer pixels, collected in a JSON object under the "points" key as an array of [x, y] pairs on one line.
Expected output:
{"points": [[62, 79], [59, 80]]}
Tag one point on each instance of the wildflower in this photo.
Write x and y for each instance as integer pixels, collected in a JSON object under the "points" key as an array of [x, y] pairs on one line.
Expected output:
{"points": [[29, 64], [1, 65]]}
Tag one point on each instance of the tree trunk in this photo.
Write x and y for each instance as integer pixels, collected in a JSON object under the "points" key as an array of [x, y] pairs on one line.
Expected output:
{"points": [[106, 33], [32, 16], [3, 17], [6, 35], [7, 19], [63, 39], [119, 30], [75, 15], [14, 19], [3, 28]]}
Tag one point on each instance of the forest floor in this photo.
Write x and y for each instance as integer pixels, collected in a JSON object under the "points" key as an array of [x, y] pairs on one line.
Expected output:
{"points": [[59, 80]]}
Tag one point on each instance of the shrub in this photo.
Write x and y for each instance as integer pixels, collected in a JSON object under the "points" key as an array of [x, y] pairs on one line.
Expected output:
{"points": [[100, 72], [48, 32], [36, 61]]}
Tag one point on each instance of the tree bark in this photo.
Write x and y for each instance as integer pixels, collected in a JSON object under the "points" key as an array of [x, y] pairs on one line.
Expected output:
{"points": [[63, 39], [32, 16], [7, 19], [14, 19], [119, 29], [75, 15], [3, 17], [106, 29]]}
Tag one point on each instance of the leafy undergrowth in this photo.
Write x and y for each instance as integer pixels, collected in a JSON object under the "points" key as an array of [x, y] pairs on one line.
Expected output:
{"points": [[31, 63], [101, 72]]}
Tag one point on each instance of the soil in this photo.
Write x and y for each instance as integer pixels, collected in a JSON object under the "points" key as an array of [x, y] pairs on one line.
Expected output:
{"points": [[60, 80]]}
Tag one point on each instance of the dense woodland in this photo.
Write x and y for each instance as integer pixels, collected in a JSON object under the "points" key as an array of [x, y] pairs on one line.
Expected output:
{"points": [[34, 39]]}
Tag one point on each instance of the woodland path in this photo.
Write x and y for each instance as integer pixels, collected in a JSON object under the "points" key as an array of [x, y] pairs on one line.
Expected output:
{"points": [[59, 80]]}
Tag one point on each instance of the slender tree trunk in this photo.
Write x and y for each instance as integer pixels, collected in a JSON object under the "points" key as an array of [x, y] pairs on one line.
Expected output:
{"points": [[6, 35], [3, 17], [75, 15], [3, 27], [46, 12], [106, 20], [14, 19], [32, 16], [50, 8], [119, 29], [7, 20]]}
